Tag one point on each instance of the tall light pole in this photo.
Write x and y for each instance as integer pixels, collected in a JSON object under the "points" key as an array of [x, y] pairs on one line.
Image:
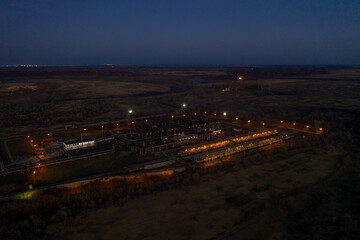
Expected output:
{"points": [[130, 112]]}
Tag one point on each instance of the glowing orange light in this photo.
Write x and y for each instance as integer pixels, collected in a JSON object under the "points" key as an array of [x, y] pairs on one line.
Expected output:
{"points": [[294, 124], [240, 78], [205, 112], [236, 119], [146, 120], [132, 122], [307, 126], [31, 140], [263, 124], [117, 124], [48, 134], [172, 116], [249, 121], [184, 115], [34, 172], [320, 129], [102, 126], [281, 122], [215, 114], [84, 129], [28, 136], [194, 114]]}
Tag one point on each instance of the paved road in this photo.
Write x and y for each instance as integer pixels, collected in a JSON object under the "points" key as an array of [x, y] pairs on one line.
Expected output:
{"points": [[8, 151], [2, 164], [35, 165]]}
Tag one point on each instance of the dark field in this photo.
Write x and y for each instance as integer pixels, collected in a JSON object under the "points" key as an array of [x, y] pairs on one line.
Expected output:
{"points": [[306, 192]]}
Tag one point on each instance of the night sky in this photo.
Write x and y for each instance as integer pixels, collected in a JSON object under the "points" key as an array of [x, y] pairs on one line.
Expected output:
{"points": [[75, 32]]}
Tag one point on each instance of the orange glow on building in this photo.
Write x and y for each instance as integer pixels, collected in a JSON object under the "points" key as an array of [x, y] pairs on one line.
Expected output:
{"points": [[207, 146], [227, 142], [252, 136]]}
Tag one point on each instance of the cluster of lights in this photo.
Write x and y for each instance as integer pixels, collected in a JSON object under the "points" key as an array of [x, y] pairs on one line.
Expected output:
{"points": [[227, 142], [253, 136]]}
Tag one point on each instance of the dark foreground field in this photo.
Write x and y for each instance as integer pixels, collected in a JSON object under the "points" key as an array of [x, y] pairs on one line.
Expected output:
{"points": [[306, 192]]}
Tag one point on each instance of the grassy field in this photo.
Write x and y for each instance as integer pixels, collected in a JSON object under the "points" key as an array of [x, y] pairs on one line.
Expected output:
{"points": [[221, 204]]}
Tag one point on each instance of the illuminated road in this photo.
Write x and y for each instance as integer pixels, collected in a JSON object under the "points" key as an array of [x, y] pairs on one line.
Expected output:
{"points": [[34, 166]]}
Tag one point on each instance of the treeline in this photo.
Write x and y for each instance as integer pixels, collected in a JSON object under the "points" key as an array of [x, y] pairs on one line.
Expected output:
{"points": [[64, 205]]}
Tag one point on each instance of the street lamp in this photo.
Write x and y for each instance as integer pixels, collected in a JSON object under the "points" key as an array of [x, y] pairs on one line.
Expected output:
{"points": [[184, 105], [224, 113], [130, 111]]}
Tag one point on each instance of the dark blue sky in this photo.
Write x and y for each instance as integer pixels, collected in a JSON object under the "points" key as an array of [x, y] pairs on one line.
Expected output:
{"points": [[74, 32]]}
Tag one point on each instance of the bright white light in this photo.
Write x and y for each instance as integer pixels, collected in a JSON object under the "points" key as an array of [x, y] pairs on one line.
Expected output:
{"points": [[184, 105], [225, 113], [130, 111]]}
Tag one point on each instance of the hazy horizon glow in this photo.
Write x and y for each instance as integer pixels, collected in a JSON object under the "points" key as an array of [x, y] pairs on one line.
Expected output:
{"points": [[51, 32]]}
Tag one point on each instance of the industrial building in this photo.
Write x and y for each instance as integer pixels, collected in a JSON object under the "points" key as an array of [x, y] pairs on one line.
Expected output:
{"points": [[72, 145]]}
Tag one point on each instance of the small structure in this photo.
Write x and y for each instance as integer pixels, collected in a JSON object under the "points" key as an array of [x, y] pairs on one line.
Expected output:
{"points": [[72, 145], [186, 137]]}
